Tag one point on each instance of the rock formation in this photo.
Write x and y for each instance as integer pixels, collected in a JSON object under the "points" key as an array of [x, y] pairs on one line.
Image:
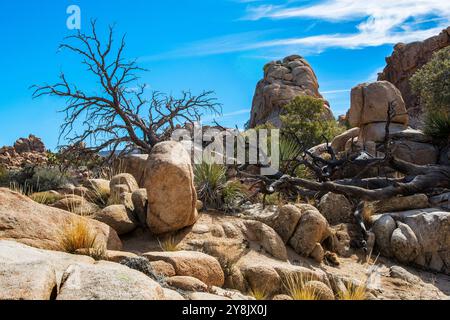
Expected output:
{"points": [[172, 197], [283, 81], [26, 151], [368, 115], [405, 61]]}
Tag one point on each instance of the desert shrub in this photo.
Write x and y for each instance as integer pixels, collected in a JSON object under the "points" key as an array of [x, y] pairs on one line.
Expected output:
{"points": [[214, 190], [437, 126], [258, 294], [432, 82], [45, 179], [232, 193], [210, 179], [33, 179], [296, 287], [46, 197], [78, 235], [353, 292], [306, 118], [142, 265], [169, 244]]}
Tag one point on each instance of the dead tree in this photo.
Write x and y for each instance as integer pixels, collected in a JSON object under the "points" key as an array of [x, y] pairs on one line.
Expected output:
{"points": [[119, 115]]}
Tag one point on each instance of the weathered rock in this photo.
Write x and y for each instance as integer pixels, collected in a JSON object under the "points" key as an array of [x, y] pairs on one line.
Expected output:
{"points": [[376, 131], [415, 152], [134, 164], [369, 103], [28, 273], [40, 226], [283, 81], [258, 273], [320, 289], [170, 188], [336, 208], [124, 179], [404, 62], [139, 198], [417, 201], [77, 205], [107, 281], [118, 218], [172, 295], [312, 229], [383, 229], [285, 221], [401, 273], [30, 144], [442, 201], [187, 283], [404, 243], [203, 296], [267, 237], [192, 264], [338, 144], [163, 269], [231, 294], [118, 256]]}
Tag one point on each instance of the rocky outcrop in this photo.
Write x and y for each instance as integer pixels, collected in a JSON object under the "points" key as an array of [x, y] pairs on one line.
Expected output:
{"points": [[40, 226], [368, 115], [404, 62], [26, 151], [133, 164], [172, 197], [28, 273], [192, 264], [420, 237], [370, 101], [283, 81], [118, 218]]}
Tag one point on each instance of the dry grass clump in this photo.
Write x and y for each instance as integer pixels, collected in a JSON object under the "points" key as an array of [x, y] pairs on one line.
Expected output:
{"points": [[46, 197], [169, 244], [79, 235], [258, 294], [99, 196], [354, 292], [296, 287]]}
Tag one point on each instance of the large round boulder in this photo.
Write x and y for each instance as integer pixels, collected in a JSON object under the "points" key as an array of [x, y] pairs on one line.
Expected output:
{"points": [[172, 198], [370, 102]]}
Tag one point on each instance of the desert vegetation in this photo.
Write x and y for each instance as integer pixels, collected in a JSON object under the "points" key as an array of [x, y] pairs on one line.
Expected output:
{"points": [[124, 207]]}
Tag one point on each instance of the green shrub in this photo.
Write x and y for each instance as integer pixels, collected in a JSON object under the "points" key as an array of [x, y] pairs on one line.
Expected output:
{"points": [[305, 116], [46, 197], [232, 193], [432, 82], [32, 179], [210, 179], [437, 125]]}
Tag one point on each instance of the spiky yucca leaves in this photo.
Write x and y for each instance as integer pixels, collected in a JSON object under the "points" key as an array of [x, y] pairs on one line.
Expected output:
{"points": [[437, 125], [210, 180]]}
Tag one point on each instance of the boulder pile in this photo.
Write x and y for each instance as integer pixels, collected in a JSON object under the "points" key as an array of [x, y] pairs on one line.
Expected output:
{"points": [[283, 81], [26, 151]]}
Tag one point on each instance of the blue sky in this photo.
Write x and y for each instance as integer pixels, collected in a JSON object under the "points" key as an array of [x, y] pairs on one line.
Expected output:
{"points": [[219, 45]]}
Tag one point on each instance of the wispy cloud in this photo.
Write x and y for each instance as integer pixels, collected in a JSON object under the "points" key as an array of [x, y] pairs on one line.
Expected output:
{"points": [[376, 23]]}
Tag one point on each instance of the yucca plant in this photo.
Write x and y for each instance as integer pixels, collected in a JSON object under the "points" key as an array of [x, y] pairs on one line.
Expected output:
{"points": [[437, 126], [210, 180], [258, 294]]}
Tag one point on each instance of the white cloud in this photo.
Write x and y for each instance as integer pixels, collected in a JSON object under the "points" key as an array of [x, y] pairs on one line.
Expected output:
{"points": [[377, 22], [384, 21]]}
